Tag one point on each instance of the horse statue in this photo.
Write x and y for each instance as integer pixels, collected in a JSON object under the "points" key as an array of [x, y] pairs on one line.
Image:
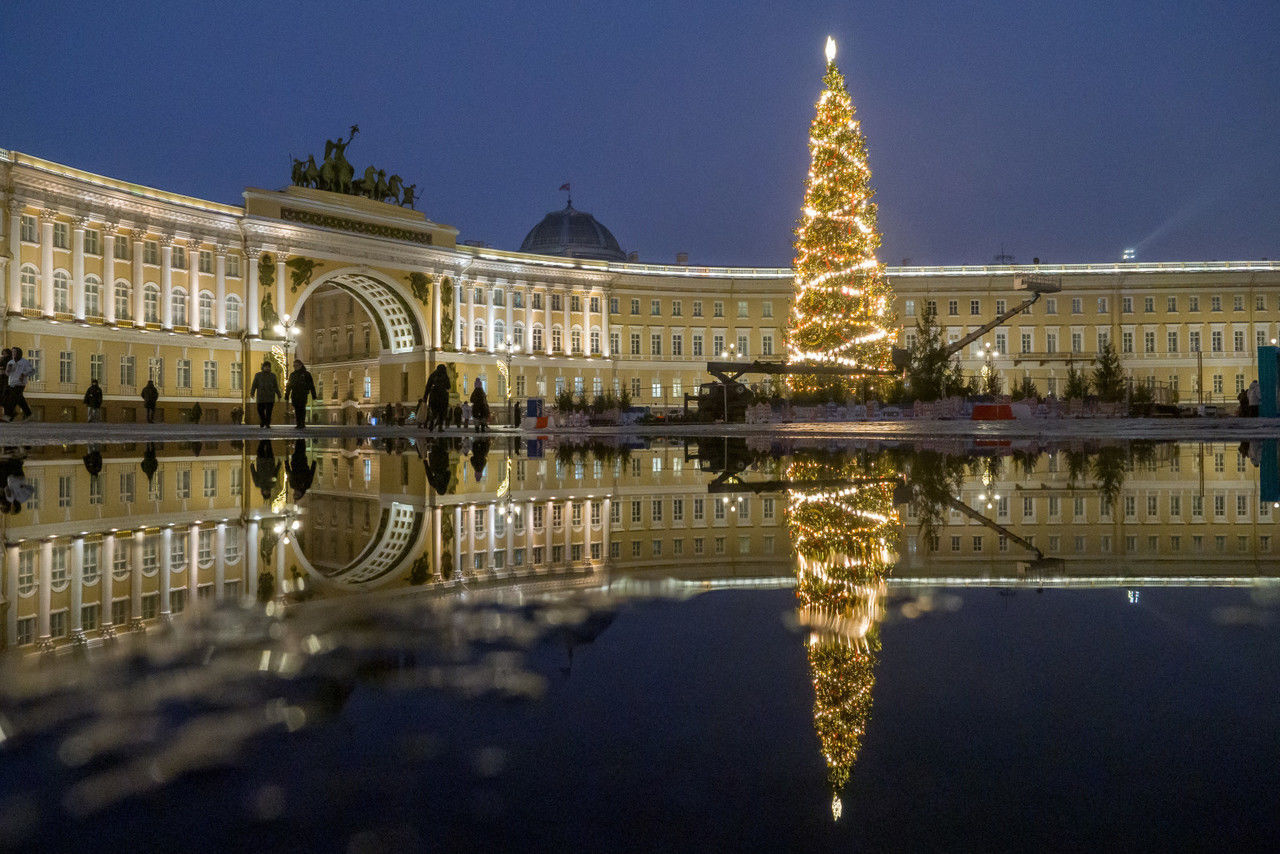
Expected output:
{"points": [[336, 173], [410, 196], [365, 186], [394, 184]]}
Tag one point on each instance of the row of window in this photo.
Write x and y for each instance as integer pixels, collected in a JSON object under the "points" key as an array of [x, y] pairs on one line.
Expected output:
{"points": [[120, 612], [497, 297], [697, 342], [129, 370], [182, 487], [122, 560], [1128, 340], [1149, 303], [1131, 544], [122, 249], [94, 299]]}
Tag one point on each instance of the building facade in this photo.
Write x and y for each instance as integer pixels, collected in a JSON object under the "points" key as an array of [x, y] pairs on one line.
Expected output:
{"points": [[125, 283]]}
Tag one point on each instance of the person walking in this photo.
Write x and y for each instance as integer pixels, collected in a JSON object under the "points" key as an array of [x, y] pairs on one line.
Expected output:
{"points": [[5, 358], [265, 391], [19, 370], [1254, 395], [300, 385], [480, 407], [93, 400], [436, 397], [150, 394]]}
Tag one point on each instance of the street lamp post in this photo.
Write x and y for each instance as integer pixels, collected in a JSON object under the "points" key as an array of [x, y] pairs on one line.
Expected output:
{"points": [[508, 349], [287, 328]]}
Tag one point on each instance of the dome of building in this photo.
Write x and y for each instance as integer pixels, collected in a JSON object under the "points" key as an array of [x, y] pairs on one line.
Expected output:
{"points": [[573, 234]]}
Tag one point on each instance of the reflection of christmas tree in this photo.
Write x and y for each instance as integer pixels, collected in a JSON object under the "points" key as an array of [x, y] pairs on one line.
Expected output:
{"points": [[844, 541], [842, 312]]}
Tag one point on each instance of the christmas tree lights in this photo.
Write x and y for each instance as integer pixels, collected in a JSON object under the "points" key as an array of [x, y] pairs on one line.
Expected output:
{"points": [[844, 539], [842, 313]]}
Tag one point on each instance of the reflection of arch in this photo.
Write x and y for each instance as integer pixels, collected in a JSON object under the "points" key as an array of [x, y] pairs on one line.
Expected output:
{"points": [[400, 327], [397, 539]]}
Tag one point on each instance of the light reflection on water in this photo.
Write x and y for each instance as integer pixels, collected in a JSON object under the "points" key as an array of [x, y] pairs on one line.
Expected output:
{"points": [[170, 609]]}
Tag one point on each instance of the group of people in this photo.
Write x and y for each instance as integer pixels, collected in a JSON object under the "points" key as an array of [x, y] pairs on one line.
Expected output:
{"points": [[15, 371], [300, 387], [436, 400]]}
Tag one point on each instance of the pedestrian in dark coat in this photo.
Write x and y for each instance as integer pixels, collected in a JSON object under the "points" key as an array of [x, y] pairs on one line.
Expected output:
{"points": [[93, 400], [265, 391], [300, 385], [150, 394], [480, 407], [436, 397], [301, 471]]}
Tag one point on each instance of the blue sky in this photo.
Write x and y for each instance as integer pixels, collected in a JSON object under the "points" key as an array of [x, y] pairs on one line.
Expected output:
{"points": [[1064, 131]]}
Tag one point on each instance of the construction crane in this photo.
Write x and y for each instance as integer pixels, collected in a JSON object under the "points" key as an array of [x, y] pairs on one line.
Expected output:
{"points": [[1038, 286]]}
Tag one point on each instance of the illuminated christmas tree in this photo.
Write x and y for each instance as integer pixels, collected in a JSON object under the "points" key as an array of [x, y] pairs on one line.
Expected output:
{"points": [[842, 311], [844, 541]]}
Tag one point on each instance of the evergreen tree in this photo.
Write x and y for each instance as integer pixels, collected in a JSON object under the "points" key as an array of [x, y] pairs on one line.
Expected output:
{"points": [[926, 366], [842, 311], [1077, 383], [1108, 376]]}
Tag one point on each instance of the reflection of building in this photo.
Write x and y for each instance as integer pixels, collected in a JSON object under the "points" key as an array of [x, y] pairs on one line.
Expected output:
{"points": [[844, 537], [104, 278]]}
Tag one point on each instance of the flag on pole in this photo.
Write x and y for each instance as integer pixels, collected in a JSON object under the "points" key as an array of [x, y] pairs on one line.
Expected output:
{"points": [[564, 187]]}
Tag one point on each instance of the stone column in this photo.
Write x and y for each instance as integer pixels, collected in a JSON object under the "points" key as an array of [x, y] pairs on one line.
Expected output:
{"points": [[193, 573], [546, 332], [15, 264], [193, 285], [77, 267], [491, 313], [11, 560], [457, 313], [220, 290], [166, 572], [219, 560], [604, 325], [166, 281], [566, 337], [469, 334], [251, 561], [457, 540], [606, 509], [281, 270], [435, 334], [44, 594], [139, 301], [437, 544], [109, 272], [106, 571], [511, 537], [548, 530], [252, 296], [491, 518], [135, 582], [46, 263], [77, 590]]}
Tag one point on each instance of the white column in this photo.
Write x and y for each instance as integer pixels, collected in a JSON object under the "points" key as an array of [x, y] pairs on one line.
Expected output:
{"points": [[220, 290], [280, 273], [139, 303], [15, 263], [45, 591], [568, 322], [457, 314], [77, 267], [435, 334], [511, 537], [490, 312], [77, 589], [437, 542], [46, 263], [457, 538], [166, 281], [606, 508], [586, 530], [193, 574], [604, 325], [251, 560], [11, 593], [135, 581], [471, 538], [219, 560], [193, 284], [547, 530], [253, 297], [528, 320], [546, 332], [166, 571], [490, 518], [469, 334], [106, 572], [109, 273]]}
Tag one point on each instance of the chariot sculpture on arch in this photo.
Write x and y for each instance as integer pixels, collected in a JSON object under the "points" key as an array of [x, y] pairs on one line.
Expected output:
{"points": [[335, 174]]}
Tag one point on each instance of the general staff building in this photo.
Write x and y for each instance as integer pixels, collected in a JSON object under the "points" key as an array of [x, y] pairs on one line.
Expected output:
{"points": [[124, 283]]}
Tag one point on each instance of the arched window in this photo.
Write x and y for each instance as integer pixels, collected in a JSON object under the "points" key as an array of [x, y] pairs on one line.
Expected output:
{"points": [[206, 310], [478, 340], [575, 339], [517, 336], [92, 296], [557, 340], [233, 313], [178, 315], [151, 302], [499, 333], [537, 339], [28, 278], [124, 300], [62, 292]]}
